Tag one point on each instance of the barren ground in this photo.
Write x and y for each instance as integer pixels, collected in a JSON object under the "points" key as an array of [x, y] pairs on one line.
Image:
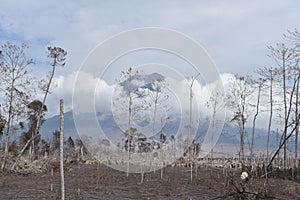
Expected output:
{"points": [[93, 182]]}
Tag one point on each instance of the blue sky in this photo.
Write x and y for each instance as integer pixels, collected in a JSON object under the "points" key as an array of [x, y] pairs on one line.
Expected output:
{"points": [[234, 33]]}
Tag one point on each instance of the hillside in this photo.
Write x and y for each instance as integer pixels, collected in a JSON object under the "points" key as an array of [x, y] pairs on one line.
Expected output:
{"points": [[229, 136]]}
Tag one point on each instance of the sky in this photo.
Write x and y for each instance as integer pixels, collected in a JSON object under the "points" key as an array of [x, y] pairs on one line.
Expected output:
{"points": [[234, 33]]}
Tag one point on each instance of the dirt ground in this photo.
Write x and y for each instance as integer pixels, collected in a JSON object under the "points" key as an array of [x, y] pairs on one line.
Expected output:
{"points": [[100, 182]]}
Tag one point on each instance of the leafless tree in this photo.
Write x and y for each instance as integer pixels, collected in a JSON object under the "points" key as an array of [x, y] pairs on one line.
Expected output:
{"points": [[58, 57], [269, 75], [61, 150], [259, 83], [215, 103], [297, 121], [156, 99], [239, 102], [126, 100], [284, 57], [294, 38], [191, 106], [15, 86]]}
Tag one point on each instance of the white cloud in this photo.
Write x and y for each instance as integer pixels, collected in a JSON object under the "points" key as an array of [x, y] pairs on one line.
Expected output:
{"points": [[235, 33], [90, 86]]}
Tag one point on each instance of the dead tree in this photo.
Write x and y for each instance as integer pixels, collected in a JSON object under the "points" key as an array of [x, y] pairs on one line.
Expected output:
{"points": [[269, 74], [285, 136], [294, 38], [62, 178], [238, 101], [260, 83], [285, 59], [125, 103], [58, 56], [297, 120], [215, 103], [16, 86]]}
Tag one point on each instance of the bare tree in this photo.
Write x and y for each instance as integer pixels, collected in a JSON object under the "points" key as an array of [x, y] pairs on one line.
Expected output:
{"points": [[126, 97], [61, 139], [140, 97], [58, 57], [191, 106], [215, 103], [156, 98], [15, 86], [269, 75], [284, 56], [294, 38], [297, 120], [238, 101], [259, 83], [286, 136]]}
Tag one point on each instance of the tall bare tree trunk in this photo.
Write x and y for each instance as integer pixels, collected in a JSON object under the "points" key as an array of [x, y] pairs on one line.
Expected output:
{"points": [[154, 114], [7, 138], [58, 55], [38, 123], [242, 151], [191, 121], [243, 132], [62, 149], [285, 111], [271, 115], [296, 145], [297, 125], [254, 119], [9, 123], [129, 138], [191, 108]]}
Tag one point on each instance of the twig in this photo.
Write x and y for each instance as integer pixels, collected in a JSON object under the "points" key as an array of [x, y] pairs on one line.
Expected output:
{"points": [[266, 174]]}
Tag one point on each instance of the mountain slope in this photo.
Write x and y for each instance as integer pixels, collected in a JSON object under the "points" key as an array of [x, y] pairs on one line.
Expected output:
{"points": [[229, 136]]}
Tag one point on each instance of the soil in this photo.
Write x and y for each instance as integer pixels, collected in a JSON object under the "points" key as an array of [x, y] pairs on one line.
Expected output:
{"points": [[100, 182]]}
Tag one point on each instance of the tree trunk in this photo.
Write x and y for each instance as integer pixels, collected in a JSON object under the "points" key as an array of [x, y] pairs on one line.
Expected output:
{"points": [[38, 123], [154, 114], [254, 120], [285, 111], [270, 118], [242, 142], [7, 138], [62, 149], [129, 134], [297, 126], [243, 130], [279, 148], [9, 123], [285, 137]]}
